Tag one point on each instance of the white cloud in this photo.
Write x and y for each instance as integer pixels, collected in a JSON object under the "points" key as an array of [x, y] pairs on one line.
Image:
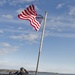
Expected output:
{"points": [[60, 5], [32, 37], [22, 1], [68, 35], [56, 22], [6, 48], [72, 11], [5, 64], [14, 2], [20, 10], [28, 37], [61, 22], [4, 51], [29, 0], [1, 31], [4, 44], [36, 8], [14, 21], [20, 28], [61, 26], [8, 16]]}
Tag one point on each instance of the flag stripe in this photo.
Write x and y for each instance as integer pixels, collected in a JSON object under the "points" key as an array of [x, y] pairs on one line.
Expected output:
{"points": [[30, 14], [33, 21]]}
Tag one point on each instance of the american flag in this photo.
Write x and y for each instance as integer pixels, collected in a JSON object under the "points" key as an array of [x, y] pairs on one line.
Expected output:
{"points": [[30, 14]]}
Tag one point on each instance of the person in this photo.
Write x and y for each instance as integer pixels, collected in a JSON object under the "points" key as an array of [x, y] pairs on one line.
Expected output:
{"points": [[23, 71], [10, 73], [16, 72]]}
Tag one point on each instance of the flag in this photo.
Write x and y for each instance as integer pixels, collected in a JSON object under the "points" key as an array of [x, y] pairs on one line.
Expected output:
{"points": [[30, 14]]}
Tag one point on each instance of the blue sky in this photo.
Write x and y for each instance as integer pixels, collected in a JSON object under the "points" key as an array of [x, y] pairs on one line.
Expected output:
{"points": [[19, 42]]}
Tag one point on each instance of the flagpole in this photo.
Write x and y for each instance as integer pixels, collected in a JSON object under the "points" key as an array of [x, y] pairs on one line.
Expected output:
{"points": [[41, 42]]}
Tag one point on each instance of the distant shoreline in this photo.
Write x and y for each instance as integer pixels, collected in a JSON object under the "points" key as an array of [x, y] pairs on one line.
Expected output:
{"points": [[13, 70]]}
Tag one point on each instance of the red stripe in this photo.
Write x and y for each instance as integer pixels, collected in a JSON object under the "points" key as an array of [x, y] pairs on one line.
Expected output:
{"points": [[32, 9], [32, 21], [30, 14], [23, 13], [26, 12]]}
